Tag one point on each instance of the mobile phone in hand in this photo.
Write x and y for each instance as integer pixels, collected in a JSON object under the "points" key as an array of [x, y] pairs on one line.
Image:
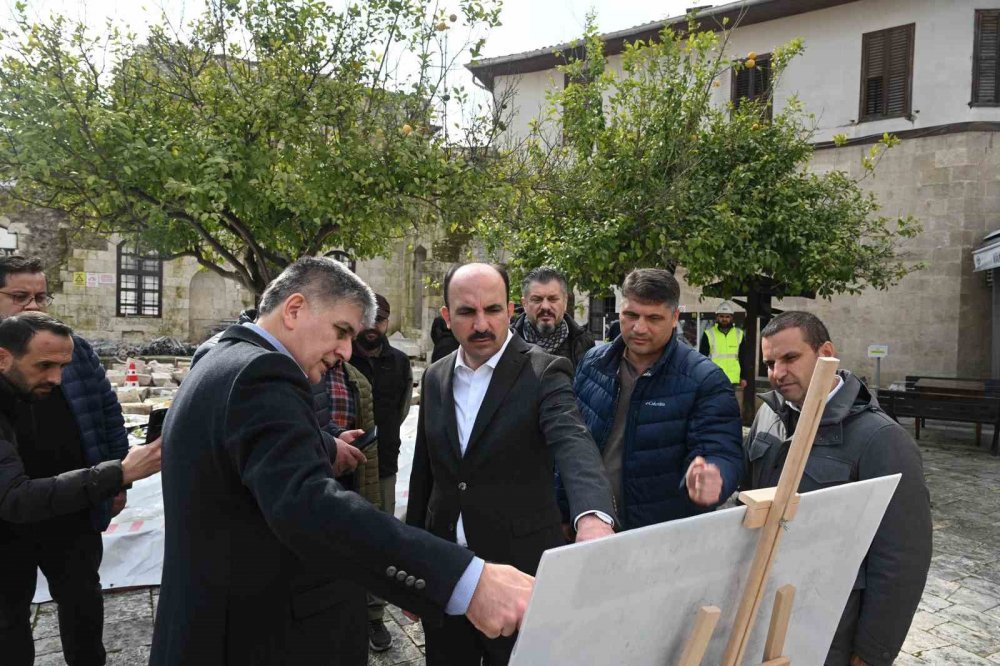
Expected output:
{"points": [[155, 426], [366, 443]]}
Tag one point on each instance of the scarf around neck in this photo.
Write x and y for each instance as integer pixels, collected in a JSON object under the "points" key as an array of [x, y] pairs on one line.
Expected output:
{"points": [[549, 343]]}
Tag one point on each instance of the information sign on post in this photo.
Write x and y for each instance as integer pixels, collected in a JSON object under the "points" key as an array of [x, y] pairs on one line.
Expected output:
{"points": [[878, 352]]}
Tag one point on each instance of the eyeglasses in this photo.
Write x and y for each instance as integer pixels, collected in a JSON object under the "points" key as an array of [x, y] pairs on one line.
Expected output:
{"points": [[23, 298]]}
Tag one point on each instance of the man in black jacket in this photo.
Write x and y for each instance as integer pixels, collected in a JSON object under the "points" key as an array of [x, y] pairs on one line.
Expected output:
{"points": [[544, 323], [856, 440], [388, 371], [44, 520], [262, 544]]}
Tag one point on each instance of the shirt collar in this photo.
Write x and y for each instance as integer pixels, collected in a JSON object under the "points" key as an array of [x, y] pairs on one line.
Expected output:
{"points": [[264, 333], [829, 397], [493, 360]]}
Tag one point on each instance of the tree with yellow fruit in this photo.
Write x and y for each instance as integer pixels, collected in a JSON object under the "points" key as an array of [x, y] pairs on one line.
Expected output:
{"points": [[651, 170]]}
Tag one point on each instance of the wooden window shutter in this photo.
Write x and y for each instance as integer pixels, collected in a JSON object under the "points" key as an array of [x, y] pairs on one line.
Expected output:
{"points": [[985, 56], [753, 83], [886, 73]]}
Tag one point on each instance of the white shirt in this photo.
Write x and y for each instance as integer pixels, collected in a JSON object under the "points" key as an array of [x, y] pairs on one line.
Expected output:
{"points": [[468, 389]]}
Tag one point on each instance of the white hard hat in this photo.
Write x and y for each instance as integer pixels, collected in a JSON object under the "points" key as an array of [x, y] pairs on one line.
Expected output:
{"points": [[725, 307]]}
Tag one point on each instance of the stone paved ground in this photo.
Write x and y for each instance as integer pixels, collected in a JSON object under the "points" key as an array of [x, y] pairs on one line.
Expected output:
{"points": [[958, 621]]}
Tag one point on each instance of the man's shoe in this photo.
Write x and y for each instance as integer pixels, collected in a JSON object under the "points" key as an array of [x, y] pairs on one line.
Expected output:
{"points": [[379, 638]]}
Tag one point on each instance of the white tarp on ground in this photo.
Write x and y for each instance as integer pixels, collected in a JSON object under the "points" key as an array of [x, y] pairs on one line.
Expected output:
{"points": [[133, 543]]}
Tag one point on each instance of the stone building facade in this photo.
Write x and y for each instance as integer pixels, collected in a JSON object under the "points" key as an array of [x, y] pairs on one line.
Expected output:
{"points": [[945, 172], [192, 299], [195, 300]]}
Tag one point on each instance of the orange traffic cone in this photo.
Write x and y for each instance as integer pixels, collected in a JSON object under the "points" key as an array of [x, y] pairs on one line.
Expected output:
{"points": [[131, 376]]}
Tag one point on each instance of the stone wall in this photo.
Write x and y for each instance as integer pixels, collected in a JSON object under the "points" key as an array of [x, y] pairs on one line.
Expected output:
{"points": [[935, 321], [92, 311], [40, 233]]}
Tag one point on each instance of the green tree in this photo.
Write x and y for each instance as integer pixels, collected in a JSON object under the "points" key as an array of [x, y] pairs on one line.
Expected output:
{"points": [[648, 171], [658, 175], [264, 131]]}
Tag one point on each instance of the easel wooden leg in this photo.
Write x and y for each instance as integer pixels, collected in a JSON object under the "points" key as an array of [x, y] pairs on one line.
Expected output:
{"points": [[704, 625], [788, 483], [780, 615]]}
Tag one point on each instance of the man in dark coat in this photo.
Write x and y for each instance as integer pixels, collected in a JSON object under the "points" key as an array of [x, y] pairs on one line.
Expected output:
{"points": [[44, 518], [346, 458], [544, 322], [79, 424], [664, 417], [388, 372], [856, 440], [494, 415], [262, 544]]}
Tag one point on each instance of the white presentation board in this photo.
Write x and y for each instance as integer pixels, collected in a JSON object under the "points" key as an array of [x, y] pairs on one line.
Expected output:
{"points": [[633, 598]]}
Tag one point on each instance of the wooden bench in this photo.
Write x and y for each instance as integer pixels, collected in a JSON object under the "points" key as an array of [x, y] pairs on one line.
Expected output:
{"points": [[962, 407]]}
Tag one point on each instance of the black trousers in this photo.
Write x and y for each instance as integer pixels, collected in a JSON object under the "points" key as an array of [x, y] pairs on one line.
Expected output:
{"points": [[69, 560], [458, 643]]}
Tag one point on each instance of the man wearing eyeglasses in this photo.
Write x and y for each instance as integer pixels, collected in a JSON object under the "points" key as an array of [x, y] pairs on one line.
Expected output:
{"points": [[78, 425]]}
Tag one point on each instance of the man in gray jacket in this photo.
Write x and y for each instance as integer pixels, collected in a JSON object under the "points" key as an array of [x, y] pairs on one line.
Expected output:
{"points": [[856, 440]]}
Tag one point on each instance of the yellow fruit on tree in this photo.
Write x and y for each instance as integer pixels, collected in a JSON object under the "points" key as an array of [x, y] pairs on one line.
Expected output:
{"points": [[750, 63], [442, 26], [406, 129], [752, 55]]}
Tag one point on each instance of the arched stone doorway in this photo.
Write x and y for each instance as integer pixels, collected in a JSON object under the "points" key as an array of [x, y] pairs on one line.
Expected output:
{"points": [[208, 304]]}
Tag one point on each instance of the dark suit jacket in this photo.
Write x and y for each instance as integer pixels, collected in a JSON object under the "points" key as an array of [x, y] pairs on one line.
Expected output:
{"points": [[503, 486], [257, 528]]}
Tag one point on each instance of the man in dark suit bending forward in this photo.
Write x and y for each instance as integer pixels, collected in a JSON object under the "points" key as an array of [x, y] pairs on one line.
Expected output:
{"points": [[263, 547]]}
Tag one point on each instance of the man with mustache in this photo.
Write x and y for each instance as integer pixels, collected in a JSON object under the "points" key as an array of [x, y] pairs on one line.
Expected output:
{"points": [[494, 416], [856, 440], [545, 296], [388, 372], [47, 494], [664, 417]]}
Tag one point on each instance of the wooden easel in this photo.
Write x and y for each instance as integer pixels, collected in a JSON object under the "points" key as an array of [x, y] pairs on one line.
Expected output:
{"points": [[768, 509]]}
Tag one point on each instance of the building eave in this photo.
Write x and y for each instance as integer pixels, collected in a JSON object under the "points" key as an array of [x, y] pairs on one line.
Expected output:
{"points": [[743, 13]]}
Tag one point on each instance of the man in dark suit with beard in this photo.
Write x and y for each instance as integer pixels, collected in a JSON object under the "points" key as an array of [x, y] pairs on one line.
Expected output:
{"points": [[494, 416], [263, 547]]}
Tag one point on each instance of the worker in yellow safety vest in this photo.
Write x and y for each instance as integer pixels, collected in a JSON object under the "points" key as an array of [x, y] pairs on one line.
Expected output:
{"points": [[723, 343]]}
